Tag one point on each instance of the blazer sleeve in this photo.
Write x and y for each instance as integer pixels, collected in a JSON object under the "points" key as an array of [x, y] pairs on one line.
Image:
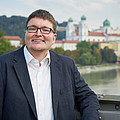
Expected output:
{"points": [[85, 99], [1, 92]]}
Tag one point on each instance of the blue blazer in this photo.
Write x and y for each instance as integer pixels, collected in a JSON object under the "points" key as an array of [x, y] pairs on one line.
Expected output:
{"points": [[68, 89]]}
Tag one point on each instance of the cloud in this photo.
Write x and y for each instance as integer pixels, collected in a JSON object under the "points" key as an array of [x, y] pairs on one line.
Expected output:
{"points": [[109, 1], [31, 3], [62, 10]]}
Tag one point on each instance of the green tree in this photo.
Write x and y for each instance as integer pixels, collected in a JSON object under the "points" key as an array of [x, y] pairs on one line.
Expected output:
{"points": [[4, 46], [2, 33], [111, 56], [73, 54], [97, 54], [84, 47], [87, 59], [84, 44], [58, 50], [114, 58], [108, 55], [13, 48], [104, 54], [95, 45]]}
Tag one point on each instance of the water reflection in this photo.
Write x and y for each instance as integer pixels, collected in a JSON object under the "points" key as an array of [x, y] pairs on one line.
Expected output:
{"points": [[105, 82]]}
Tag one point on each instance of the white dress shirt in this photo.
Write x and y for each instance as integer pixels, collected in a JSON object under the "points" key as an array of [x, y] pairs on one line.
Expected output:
{"points": [[41, 83]]}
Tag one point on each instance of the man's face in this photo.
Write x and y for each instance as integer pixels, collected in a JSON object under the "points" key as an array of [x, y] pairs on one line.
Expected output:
{"points": [[36, 42]]}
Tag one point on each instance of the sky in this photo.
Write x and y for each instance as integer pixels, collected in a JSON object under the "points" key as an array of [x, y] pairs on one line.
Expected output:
{"points": [[96, 11]]}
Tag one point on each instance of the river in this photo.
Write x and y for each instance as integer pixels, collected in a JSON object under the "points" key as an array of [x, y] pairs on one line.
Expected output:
{"points": [[104, 82]]}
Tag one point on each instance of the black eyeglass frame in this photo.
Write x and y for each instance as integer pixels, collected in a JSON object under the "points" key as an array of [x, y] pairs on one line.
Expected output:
{"points": [[40, 29]]}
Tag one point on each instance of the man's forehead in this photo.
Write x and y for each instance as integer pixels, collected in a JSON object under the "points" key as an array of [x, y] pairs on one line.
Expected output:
{"points": [[39, 22]]}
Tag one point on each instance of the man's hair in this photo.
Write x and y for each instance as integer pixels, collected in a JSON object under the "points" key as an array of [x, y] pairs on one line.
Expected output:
{"points": [[43, 14]]}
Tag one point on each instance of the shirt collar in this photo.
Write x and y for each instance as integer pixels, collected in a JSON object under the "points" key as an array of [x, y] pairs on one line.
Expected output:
{"points": [[29, 57]]}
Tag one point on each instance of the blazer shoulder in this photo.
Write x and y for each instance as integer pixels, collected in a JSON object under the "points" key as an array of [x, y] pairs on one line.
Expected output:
{"points": [[10, 56]]}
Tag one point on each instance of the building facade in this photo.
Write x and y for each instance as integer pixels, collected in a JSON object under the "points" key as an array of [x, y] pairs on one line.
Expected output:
{"points": [[14, 40], [81, 32], [66, 45]]}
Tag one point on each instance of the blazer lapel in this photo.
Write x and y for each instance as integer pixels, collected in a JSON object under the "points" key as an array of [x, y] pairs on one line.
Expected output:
{"points": [[23, 75], [55, 67]]}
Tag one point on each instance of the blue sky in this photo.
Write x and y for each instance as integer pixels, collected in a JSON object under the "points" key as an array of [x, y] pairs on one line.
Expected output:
{"points": [[96, 11]]}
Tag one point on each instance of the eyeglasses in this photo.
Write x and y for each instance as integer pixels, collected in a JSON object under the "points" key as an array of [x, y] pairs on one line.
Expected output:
{"points": [[43, 30]]}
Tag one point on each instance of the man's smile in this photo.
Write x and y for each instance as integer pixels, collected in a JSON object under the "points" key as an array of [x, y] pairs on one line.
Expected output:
{"points": [[38, 40]]}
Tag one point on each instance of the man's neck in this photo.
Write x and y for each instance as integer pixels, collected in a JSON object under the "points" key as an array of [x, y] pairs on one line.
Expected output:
{"points": [[39, 55]]}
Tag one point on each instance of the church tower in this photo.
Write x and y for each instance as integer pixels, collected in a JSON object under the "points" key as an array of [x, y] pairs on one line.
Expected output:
{"points": [[83, 29], [70, 30], [106, 27]]}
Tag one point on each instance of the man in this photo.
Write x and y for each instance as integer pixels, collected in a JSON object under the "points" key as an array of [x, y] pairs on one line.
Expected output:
{"points": [[38, 84]]}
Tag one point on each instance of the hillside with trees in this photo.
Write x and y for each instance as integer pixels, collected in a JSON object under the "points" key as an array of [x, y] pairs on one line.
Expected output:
{"points": [[15, 26]]}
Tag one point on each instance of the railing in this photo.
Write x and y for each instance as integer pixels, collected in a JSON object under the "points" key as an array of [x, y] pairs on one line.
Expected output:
{"points": [[110, 108]]}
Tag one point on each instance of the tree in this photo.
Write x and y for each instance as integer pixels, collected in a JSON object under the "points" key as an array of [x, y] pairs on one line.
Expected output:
{"points": [[97, 54], [87, 59], [108, 55], [111, 56], [22, 42], [2, 33], [84, 44], [13, 48], [4, 46], [104, 54], [73, 54], [84, 47], [95, 45], [58, 50]]}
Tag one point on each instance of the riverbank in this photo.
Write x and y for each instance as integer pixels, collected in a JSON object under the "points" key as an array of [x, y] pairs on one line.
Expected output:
{"points": [[97, 68]]}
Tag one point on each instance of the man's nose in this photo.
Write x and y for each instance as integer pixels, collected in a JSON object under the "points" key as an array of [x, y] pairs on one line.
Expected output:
{"points": [[39, 31]]}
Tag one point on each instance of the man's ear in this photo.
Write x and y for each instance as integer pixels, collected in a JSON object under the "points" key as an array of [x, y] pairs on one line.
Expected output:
{"points": [[54, 38]]}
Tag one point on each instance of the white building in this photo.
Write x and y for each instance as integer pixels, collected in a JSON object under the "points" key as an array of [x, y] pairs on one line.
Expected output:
{"points": [[81, 32], [14, 40], [66, 45]]}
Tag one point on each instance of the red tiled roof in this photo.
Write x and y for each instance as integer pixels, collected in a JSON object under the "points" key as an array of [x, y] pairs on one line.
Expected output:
{"points": [[76, 41], [12, 38], [71, 41], [95, 34], [117, 35], [58, 41], [96, 41]]}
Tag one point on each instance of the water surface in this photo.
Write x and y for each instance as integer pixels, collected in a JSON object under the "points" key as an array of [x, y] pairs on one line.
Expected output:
{"points": [[105, 82]]}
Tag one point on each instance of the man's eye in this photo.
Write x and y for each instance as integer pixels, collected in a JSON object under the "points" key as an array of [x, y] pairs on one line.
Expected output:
{"points": [[32, 28], [44, 29]]}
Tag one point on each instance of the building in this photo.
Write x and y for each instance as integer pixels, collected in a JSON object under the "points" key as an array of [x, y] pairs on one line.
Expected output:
{"points": [[66, 45], [105, 35], [14, 40], [81, 32]]}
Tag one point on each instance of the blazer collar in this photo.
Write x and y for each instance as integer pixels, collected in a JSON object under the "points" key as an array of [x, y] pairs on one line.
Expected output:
{"points": [[23, 76], [56, 75]]}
